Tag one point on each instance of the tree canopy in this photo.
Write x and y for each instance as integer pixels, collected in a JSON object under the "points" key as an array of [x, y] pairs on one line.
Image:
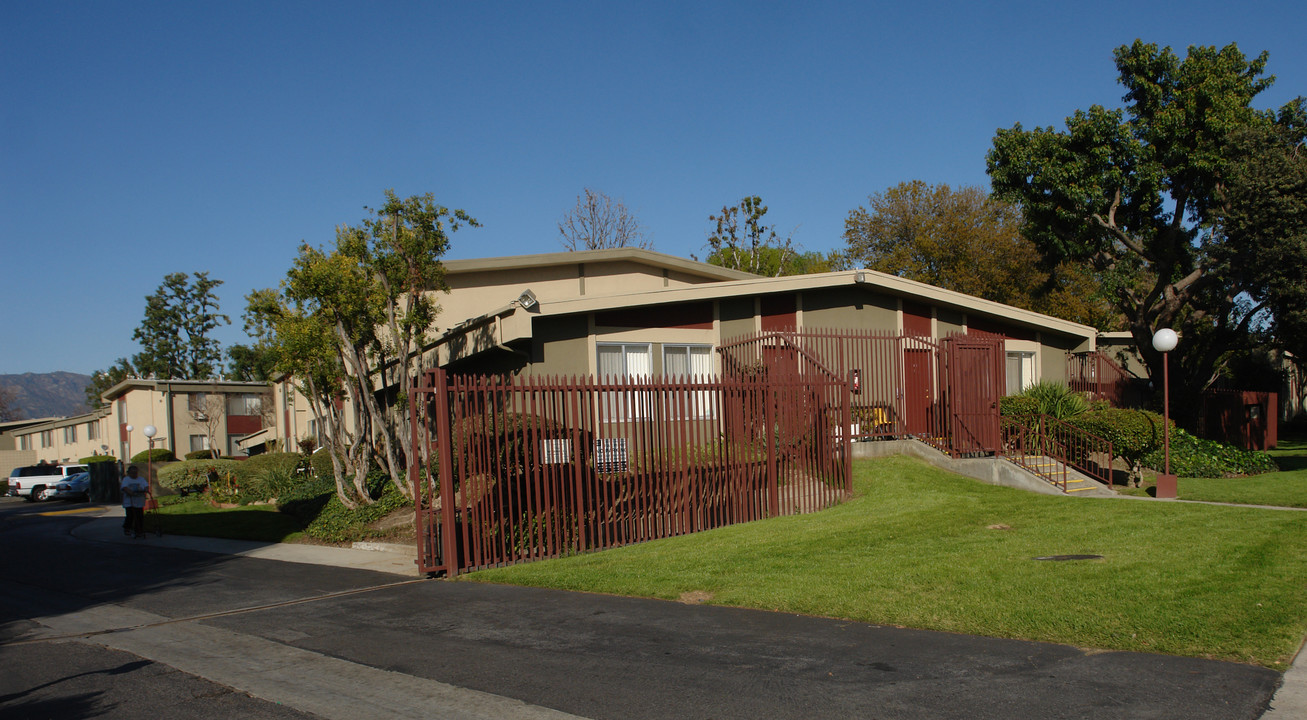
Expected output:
{"points": [[102, 380], [174, 334], [1152, 199], [967, 241], [598, 222], [354, 320], [740, 240]]}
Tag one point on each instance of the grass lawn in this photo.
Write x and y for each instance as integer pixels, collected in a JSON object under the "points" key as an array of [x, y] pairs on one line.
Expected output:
{"points": [[1287, 488], [914, 548], [195, 516]]}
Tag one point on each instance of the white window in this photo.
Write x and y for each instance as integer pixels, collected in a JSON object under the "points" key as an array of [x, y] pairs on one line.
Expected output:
{"points": [[92, 431], [693, 362], [199, 442], [244, 404], [70, 434], [47, 438], [24, 442], [1020, 371], [232, 448], [624, 362]]}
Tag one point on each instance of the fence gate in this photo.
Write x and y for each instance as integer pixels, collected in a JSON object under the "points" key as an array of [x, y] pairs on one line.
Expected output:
{"points": [[512, 470], [976, 382]]}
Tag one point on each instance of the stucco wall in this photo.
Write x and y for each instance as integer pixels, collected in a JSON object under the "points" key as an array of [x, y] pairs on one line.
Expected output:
{"points": [[847, 308]]}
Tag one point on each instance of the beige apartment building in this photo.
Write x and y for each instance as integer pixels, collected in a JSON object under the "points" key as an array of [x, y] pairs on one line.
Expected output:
{"points": [[187, 415], [62, 440]]}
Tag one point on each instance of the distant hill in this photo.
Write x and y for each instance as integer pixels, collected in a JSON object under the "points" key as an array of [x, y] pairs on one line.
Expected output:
{"points": [[40, 395]]}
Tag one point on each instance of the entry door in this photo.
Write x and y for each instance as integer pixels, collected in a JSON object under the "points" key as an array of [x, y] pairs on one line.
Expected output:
{"points": [[976, 382], [918, 390]]}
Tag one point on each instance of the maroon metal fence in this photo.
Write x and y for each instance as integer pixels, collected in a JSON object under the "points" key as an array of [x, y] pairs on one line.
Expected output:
{"points": [[1098, 375], [524, 469], [943, 392]]}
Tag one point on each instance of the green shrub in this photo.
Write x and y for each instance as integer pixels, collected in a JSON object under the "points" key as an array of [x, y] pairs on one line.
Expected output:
{"points": [[198, 475], [306, 499], [320, 461], [1195, 457], [1133, 433], [336, 524], [155, 455], [1012, 405], [200, 455], [1056, 399], [97, 459], [266, 476]]}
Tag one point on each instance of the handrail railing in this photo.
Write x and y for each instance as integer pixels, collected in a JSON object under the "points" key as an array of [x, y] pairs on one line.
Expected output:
{"points": [[1033, 436]]}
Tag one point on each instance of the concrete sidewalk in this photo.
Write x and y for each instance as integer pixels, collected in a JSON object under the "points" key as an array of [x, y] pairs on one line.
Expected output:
{"points": [[381, 557]]}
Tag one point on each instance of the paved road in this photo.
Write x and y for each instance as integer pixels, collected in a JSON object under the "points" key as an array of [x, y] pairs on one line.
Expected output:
{"points": [[351, 643]]}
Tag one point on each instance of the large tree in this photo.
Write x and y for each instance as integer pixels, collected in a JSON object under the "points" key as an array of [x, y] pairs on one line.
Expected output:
{"points": [[359, 316], [9, 409], [967, 241], [598, 222], [174, 334], [1139, 196], [102, 380]]}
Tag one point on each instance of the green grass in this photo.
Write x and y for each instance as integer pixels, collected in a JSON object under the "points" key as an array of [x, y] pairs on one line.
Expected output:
{"points": [[195, 516], [1287, 488], [914, 549]]}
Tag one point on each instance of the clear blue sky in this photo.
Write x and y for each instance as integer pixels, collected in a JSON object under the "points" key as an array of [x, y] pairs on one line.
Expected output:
{"points": [[138, 139]]}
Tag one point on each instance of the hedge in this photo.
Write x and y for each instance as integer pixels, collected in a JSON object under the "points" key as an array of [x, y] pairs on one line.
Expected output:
{"points": [[1195, 457], [97, 459], [155, 455], [200, 455]]}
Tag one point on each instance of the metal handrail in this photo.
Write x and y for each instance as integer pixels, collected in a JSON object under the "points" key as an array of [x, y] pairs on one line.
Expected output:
{"points": [[1061, 442]]}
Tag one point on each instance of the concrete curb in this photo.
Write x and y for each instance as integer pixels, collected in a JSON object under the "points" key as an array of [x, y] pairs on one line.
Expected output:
{"points": [[108, 528]]}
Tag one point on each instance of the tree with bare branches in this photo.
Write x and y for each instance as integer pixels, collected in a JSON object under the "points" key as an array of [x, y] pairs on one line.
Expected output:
{"points": [[599, 222]]}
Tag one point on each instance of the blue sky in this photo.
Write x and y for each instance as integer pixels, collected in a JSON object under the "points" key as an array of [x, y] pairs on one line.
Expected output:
{"points": [[138, 139]]}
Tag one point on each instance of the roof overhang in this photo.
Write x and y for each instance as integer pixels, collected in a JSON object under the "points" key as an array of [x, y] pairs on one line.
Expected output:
{"points": [[511, 322]]}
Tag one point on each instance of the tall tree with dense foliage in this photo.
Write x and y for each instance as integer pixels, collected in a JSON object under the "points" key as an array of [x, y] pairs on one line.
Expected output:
{"points": [[599, 222], [1141, 196], [962, 240], [175, 333], [360, 315]]}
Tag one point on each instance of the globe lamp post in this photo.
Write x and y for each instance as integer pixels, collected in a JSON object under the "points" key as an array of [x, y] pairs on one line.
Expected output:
{"points": [[150, 432], [1164, 341]]}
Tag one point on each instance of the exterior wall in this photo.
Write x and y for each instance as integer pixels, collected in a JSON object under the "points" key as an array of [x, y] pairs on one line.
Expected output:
{"points": [[166, 405], [68, 439], [948, 322], [478, 292], [562, 346], [737, 316], [10, 459], [849, 309]]}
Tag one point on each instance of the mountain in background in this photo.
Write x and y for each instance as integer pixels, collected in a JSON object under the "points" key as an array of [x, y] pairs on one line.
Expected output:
{"points": [[53, 394]]}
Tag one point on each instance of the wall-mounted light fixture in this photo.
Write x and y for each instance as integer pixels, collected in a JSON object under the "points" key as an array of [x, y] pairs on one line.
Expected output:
{"points": [[527, 300]]}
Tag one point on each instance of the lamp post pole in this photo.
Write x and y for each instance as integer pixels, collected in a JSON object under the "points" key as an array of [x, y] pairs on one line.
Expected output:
{"points": [[150, 432], [1164, 341]]}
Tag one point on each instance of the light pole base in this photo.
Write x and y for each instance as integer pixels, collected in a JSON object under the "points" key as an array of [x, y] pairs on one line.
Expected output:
{"points": [[1166, 486]]}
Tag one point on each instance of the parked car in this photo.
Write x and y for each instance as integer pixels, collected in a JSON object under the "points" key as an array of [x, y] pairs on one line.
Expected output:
{"points": [[76, 487], [37, 482]]}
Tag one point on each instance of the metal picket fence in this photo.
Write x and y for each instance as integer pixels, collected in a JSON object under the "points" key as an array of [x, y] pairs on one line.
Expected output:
{"points": [[518, 469]]}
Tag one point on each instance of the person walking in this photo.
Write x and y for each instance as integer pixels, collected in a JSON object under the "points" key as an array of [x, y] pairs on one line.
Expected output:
{"points": [[135, 489]]}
